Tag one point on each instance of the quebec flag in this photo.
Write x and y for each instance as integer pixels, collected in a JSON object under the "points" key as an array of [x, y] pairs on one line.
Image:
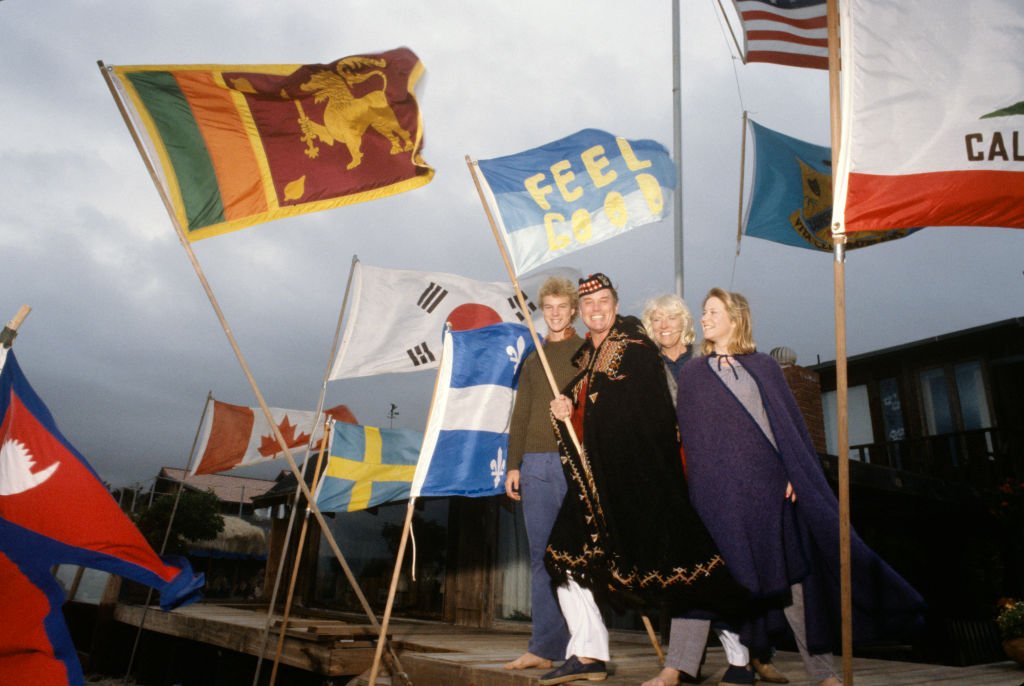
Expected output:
{"points": [[466, 440], [54, 509]]}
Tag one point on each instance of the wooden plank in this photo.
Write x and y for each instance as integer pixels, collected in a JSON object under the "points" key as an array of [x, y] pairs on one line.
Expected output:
{"points": [[436, 653]]}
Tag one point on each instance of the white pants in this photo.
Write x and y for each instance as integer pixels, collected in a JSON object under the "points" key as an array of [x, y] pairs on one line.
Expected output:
{"points": [[688, 639], [735, 652], [588, 636]]}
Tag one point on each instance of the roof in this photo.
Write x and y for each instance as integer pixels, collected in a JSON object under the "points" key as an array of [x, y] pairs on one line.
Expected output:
{"points": [[229, 489], [1014, 323], [239, 539]]}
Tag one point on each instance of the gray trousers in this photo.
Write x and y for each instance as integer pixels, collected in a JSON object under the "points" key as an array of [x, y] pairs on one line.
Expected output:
{"points": [[689, 637]]}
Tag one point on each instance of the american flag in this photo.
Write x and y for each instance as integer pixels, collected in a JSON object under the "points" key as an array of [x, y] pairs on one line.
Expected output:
{"points": [[788, 32]]}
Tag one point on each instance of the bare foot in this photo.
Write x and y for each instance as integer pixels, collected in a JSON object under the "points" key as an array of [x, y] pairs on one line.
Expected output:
{"points": [[831, 681], [529, 661], [667, 677]]}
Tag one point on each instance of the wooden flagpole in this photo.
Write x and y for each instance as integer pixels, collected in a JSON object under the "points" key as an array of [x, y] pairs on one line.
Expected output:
{"points": [[392, 590], [555, 390], [187, 246], [328, 426], [295, 500], [167, 532], [10, 331], [839, 279], [400, 557]]}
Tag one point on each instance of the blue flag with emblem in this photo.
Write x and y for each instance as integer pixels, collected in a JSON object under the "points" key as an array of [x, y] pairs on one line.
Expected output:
{"points": [[791, 196], [367, 466], [576, 191], [466, 441]]}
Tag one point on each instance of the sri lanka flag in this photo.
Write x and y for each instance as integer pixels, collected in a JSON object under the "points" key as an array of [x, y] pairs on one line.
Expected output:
{"points": [[54, 509], [236, 145]]}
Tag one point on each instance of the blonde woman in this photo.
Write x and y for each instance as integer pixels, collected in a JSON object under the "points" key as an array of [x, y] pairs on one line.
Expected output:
{"points": [[756, 481], [669, 324]]}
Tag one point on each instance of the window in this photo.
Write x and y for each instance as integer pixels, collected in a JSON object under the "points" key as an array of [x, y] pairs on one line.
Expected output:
{"points": [[892, 422], [935, 402], [892, 410], [858, 413], [965, 410], [970, 387]]}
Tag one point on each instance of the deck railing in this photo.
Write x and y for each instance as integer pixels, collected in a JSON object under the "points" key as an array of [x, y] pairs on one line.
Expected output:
{"points": [[983, 458]]}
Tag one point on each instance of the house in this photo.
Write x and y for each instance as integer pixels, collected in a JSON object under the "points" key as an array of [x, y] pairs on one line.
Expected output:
{"points": [[236, 493], [234, 562], [936, 433]]}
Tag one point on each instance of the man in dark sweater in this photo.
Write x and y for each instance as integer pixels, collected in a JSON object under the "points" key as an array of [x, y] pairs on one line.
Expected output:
{"points": [[535, 470]]}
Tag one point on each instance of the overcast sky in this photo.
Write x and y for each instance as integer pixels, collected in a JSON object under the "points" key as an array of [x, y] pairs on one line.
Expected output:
{"points": [[122, 343]]}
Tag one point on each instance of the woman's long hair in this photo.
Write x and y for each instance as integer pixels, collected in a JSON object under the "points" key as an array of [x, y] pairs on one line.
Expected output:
{"points": [[738, 309]]}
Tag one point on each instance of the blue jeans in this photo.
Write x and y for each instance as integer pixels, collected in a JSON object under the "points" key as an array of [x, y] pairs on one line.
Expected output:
{"points": [[542, 485]]}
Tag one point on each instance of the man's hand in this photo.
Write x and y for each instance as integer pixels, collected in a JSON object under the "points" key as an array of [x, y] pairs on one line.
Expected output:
{"points": [[561, 408], [512, 484], [790, 493]]}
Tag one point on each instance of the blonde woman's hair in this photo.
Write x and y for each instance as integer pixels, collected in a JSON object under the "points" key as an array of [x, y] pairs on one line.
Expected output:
{"points": [[738, 310], [670, 304]]}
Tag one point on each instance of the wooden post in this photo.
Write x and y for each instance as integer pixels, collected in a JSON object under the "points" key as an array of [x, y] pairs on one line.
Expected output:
{"points": [[298, 560], [391, 590], [291, 517], [839, 278], [11, 330], [406, 528], [555, 390], [194, 261], [167, 531]]}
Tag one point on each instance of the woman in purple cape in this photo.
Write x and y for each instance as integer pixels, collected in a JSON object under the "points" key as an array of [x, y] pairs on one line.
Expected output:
{"points": [[756, 481]]}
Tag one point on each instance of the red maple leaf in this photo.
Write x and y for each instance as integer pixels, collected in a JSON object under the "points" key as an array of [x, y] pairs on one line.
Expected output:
{"points": [[269, 445]]}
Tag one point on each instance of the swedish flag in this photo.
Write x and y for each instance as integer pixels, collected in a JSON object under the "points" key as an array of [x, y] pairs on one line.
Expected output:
{"points": [[367, 466]]}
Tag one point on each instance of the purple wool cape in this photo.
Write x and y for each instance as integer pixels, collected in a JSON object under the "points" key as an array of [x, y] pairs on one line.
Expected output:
{"points": [[737, 482]]}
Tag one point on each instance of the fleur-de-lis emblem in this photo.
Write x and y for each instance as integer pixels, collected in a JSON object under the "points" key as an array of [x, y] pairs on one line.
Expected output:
{"points": [[515, 355], [498, 465]]}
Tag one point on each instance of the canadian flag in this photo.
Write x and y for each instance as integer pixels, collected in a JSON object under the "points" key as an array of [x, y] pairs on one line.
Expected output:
{"points": [[238, 436]]}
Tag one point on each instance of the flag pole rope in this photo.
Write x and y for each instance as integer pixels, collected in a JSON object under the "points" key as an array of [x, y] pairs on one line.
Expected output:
{"points": [[167, 533], [555, 390], [194, 261]]}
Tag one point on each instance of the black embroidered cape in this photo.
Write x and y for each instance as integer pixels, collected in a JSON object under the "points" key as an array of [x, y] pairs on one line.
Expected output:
{"points": [[626, 528]]}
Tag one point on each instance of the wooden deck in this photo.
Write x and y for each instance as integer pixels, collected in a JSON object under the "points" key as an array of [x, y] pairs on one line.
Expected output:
{"points": [[439, 654]]}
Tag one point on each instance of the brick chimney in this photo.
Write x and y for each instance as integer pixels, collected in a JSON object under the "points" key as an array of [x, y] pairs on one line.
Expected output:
{"points": [[806, 387]]}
